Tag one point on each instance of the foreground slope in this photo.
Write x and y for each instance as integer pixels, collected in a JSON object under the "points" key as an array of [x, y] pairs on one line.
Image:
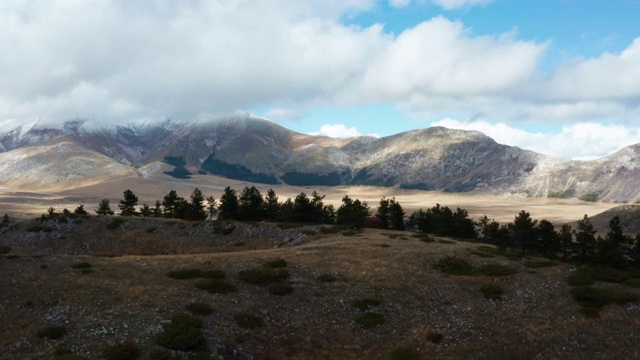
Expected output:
{"points": [[129, 298]]}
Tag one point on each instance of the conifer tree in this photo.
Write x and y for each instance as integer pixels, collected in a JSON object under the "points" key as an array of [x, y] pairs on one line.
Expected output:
{"points": [[585, 239], [212, 207], [80, 210], [128, 204], [196, 206], [271, 206], [228, 208], [104, 208], [565, 241]]}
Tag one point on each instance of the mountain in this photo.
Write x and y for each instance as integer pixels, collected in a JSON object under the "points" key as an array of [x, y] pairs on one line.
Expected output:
{"points": [[257, 150]]}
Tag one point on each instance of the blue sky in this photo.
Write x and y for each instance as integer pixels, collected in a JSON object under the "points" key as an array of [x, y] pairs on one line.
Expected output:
{"points": [[555, 76]]}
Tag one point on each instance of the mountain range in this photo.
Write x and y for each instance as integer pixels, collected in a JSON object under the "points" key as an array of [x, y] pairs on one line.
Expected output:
{"points": [[253, 149]]}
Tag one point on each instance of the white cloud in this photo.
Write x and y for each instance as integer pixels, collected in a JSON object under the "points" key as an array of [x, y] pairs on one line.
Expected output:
{"points": [[458, 4], [581, 141], [399, 3], [337, 131]]}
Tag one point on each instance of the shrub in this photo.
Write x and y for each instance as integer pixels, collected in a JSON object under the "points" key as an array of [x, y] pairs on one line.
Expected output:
{"points": [[115, 223], [349, 233], [540, 264], [308, 232], [125, 351], [184, 274], [446, 242], [405, 354], [497, 270], [81, 265], [434, 337], [596, 298], [201, 309], [581, 277], [280, 288], [248, 321], [182, 333], [52, 332], [262, 276], [327, 278], [454, 265], [331, 229], [370, 319], [215, 286], [277, 263], [492, 291], [366, 304], [426, 238], [4, 249]]}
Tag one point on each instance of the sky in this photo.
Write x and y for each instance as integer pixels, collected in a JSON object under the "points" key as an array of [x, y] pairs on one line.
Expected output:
{"points": [[561, 77]]}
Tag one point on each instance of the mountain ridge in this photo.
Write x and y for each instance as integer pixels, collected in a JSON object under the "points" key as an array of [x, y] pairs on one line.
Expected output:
{"points": [[258, 150]]}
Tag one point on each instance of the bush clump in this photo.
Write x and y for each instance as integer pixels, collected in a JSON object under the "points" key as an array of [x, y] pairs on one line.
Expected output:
{"points": [[366, 304], [540, 264], [185, 274], [4, 249], [405, 354], [276, 263], [125, 351], [492, 291], [115, 223], [331, 229], [454, 265], [248, 321], [280, 288], [264, 275], [201, 309], [585, 276], [435, 337], [183, 333], [52, 332], [215, 286], [81, 265], [370, 319], [327, 278], [596, 298], [496, 270]]}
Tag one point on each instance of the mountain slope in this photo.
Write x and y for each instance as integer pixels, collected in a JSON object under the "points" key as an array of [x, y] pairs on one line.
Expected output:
{"points": [[257, 150]]}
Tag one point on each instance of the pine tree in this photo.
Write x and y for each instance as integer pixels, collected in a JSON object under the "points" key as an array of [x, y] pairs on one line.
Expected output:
{"points": [[352, 212], [585, 239], [546, 237], [524, 231], [104, 208], [565, 241], [80, 210], [146, 210], [212, 207], [157, 210], [128, 204], [250, 204], [383, 213], [196, 207], [396, 215], [271, 206], [169, 203], [228, 208], [612, 249]]}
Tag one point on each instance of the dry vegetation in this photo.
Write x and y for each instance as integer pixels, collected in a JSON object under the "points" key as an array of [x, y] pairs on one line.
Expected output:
{"points": [[375, 295]]}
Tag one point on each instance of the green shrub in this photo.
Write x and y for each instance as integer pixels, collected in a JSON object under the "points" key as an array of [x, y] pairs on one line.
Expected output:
{"points": [[125, 351], [280, 288], [331, 229], [308, 232], [215, 286], [349, 233], [366, 304], [434, 337], [4, 249], [81, 265], [201, 309], [482, 254], [115, 223], [327, 278], [588, 275], [454, 265], [183, 333], [590, 197], [596, 298], [405, 354], [446, 241], [370, 319], [184, 274], [492, 291], [248, 321], [152, 229], [262, 276], [384, 246], [496, 270], [540, 264], [52, 332], [276, 263], [581, 277], [228, 230]]}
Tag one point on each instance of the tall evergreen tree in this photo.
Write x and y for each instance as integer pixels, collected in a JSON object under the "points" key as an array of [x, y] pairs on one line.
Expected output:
{"points": [[128, 204], [146, 210], [250, 204], [196, 206], [157, 209], [212, 207], [352, 212], [396, 215], [547, 237], [271, 206], [565, 241], [524, 231], [169, 203], [585, 240], [80, 210], [228, 208], [612, 249], [104, 208], [383, 212]]}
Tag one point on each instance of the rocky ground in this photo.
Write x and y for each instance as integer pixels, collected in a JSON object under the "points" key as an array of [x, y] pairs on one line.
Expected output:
{"points": [[126, 295]]}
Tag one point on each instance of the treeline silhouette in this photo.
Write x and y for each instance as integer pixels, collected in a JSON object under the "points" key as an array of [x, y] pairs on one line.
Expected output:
{"points": [[523, 234]]}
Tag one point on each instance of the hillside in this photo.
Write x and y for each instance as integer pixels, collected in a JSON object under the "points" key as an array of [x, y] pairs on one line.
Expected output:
{"points": [[256, 150], [130, 297]]}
